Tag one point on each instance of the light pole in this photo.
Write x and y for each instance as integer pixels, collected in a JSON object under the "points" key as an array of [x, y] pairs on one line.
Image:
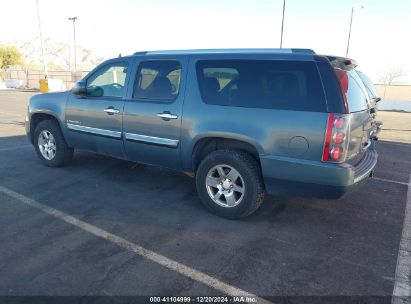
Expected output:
{"points": [[349, 32], [74, 19], [282, 26], [43, 55]]}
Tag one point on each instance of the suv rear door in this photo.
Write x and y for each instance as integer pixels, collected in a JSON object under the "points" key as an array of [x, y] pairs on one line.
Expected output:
{"points": [[153, 110]]}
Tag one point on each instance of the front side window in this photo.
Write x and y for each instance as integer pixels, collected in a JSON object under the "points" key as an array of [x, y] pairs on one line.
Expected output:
{"points": [[108, 81], [158, 80], [285, 85]]}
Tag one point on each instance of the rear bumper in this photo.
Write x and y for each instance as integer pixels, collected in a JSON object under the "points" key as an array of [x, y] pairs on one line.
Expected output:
{"points": [[286, 176], [365, 166]]}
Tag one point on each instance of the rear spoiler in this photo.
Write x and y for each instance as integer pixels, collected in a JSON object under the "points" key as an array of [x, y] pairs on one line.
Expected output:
{"points": [[342, 62]]}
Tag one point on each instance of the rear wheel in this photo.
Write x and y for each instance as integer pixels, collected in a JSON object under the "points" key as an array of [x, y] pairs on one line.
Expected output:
{"points": [[50, 145], [229, 183]]}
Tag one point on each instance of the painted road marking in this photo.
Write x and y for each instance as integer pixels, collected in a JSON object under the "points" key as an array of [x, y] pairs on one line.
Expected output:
{"points": [[137, 249], [402, 285], [389, 181]]}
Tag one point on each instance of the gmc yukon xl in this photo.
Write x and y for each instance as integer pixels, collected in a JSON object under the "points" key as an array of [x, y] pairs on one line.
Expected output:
{"points": [[244, 122]]}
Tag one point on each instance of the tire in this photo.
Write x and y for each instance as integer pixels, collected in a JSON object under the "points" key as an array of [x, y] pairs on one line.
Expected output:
{"points": [[62, 154], [237, 197]]}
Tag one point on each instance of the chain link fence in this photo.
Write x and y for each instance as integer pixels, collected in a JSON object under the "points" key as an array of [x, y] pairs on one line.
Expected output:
{"points": [[30, 78]]}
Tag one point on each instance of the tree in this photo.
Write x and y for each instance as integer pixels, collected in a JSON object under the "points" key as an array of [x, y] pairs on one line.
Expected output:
{"points": [[10, 55], [389, 76]]}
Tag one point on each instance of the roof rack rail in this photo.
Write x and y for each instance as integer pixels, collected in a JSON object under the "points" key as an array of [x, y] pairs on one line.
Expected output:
{"points": [[238, 51], [303, 51]]}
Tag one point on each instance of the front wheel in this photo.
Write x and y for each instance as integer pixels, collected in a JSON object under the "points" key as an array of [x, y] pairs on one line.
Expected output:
{"points": [[50, 145], [229, 183]]}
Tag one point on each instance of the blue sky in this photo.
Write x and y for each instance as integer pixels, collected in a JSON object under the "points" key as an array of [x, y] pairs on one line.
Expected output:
{"points": [[380, 36]]}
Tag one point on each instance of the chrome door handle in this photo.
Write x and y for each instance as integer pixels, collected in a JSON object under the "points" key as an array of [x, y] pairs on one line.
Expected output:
{"points": [[111, 111], [167, 116]]}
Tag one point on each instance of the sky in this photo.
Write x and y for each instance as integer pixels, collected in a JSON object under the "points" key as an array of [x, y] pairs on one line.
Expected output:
{"points": [[380, 31]]}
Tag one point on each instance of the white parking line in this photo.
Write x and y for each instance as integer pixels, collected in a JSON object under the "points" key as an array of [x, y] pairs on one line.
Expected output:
{"points": [[137, 249], [390, 181], [402, 285], [15, 148]]}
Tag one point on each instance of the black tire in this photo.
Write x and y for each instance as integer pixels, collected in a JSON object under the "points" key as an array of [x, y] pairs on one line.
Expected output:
{"points": [[250, 172], [63, 154]]}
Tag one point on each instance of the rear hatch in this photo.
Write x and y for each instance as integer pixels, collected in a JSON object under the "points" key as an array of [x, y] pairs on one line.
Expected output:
{"points": [[358, 126]]}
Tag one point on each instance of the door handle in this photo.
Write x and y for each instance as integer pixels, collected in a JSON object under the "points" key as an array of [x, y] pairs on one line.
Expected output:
{"points": [[111, 111], [167, 115]]}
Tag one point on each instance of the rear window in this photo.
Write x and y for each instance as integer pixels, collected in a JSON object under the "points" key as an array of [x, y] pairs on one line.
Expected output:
{"points": [[285, 85], [356, 98]]}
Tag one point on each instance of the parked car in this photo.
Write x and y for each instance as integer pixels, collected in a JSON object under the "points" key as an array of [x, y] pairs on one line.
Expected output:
{"points": [[243, 122]]}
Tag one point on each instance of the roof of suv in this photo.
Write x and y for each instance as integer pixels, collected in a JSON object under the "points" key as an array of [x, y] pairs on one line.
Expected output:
{"points": [[229, 51]]}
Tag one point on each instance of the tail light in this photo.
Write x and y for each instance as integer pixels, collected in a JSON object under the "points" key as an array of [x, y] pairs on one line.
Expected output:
{"points": [[336, 138], [342, 76]]}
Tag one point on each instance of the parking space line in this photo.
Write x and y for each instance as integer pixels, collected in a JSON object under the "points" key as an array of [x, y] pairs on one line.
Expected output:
{"points": [[15, 148], [137, 249], [390, 181], [402, 285]]}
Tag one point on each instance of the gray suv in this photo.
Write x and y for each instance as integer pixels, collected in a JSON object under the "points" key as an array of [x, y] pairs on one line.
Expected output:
{"points": [[243, 122]]}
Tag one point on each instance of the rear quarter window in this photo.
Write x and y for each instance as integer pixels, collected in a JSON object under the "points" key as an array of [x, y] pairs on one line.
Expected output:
{"points": [[356, 98], [270, 84], [372, 92]]}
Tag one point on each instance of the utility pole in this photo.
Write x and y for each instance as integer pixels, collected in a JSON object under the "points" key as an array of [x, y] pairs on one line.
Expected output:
{"points": [[43, 55], [282, 26], [74, 19]]}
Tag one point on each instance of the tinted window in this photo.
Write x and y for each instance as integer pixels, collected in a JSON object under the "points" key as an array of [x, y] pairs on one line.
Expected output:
{"points": [[356, 98], [270, 84], [372, 92], [158, 80], [108, 81]]}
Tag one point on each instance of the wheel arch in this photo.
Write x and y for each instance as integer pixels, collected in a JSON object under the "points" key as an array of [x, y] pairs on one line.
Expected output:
{"points": [[38, 117], [205, 145]]}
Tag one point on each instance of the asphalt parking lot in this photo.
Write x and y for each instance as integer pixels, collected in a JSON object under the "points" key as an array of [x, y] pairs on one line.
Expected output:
{"points": [[291, 246]]}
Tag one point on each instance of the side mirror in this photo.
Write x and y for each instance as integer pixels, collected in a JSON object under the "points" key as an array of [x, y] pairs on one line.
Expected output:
{"points": [[79, 89]]}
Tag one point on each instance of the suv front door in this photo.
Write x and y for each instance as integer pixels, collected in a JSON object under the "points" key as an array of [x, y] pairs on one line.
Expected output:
{"points": [[153, 110], [94, 121]]}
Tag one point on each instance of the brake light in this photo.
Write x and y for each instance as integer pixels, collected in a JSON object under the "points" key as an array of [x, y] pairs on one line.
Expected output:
{"points": [[343, 80], [339, 123], [336, 153], [336, 138]]}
